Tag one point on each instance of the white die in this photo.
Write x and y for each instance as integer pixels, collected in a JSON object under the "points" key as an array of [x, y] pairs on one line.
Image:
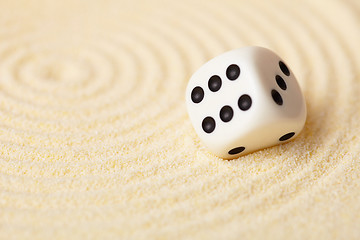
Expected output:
{"points": [[245, 100]]}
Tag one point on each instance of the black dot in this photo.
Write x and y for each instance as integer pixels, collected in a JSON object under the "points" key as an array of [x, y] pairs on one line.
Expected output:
{"points": [[284, 68], [244, 102], [287, 136], [197, 94], [236, 150], [208, 124], [277, 97], [233, 72], [226, 113], [280, 81], [214, 83]]}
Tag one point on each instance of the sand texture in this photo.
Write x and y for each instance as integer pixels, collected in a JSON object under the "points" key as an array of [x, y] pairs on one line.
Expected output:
{"points": [[96, 143]]}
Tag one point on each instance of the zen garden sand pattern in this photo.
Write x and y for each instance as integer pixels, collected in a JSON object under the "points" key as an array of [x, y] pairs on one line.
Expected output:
{"points": [[96, 142]]}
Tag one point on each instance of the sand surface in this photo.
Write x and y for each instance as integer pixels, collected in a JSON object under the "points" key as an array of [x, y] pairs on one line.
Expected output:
{"points": [[95, 141]]}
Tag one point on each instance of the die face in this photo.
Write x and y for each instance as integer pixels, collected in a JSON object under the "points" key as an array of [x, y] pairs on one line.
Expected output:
{"points": [[222, 105], [279, 85], [232, 106]]}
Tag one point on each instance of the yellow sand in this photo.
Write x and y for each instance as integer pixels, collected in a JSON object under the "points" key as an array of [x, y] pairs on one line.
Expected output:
{"points": [[96, 143]]}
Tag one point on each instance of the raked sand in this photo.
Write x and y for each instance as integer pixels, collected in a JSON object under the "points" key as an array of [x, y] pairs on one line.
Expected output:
{"points": [[95, 139]]}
